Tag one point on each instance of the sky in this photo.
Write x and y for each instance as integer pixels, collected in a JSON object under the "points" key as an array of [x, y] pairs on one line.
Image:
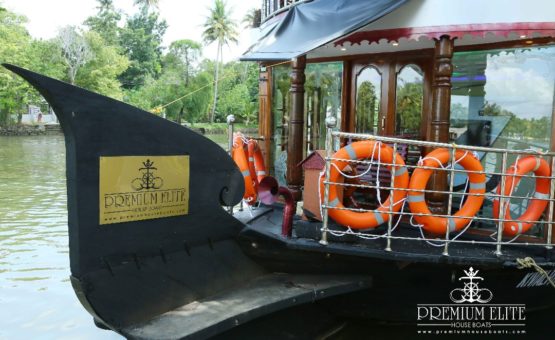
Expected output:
{"points": [[184, 17]]}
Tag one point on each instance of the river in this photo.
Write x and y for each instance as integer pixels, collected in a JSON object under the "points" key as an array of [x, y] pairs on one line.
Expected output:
{"points": [[36, 298]]}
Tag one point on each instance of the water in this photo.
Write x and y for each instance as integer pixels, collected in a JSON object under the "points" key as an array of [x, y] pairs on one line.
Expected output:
{"points": [[36, 297]]}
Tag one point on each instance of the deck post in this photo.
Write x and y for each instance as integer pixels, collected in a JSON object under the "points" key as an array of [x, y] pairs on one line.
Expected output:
{"points": [[265, 112], [295, 143], [441, 105], [331, 123], [502, 204], [551, 207], [230, 119]]}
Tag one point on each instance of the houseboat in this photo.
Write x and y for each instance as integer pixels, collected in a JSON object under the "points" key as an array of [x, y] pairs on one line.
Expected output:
{"points": [[410, 153]]}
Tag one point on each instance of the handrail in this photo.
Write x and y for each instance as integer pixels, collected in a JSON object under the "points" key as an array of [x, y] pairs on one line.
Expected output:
{"points": [[271, 8], [445, 240], [436, 144]]}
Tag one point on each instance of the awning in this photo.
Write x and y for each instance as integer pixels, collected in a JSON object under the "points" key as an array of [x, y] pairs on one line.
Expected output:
{"points": [[312, 24]]}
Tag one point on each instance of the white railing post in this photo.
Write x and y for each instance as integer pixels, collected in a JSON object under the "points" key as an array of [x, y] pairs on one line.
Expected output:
{"points": [[550, 210], [230, 120], [330, 125], [502, 204], [391, 198], [450, 201]]}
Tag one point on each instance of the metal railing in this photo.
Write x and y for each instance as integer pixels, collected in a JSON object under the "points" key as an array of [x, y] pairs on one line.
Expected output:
{"points": [[452, 171], [271, 8]]}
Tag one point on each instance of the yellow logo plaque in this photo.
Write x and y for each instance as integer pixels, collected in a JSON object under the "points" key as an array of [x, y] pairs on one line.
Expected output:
{"points": [[134, 188]]}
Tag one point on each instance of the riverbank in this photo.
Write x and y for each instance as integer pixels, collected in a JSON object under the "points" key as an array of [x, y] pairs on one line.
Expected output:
{"points": [[51, 129], [221, 128], [31, 130]]}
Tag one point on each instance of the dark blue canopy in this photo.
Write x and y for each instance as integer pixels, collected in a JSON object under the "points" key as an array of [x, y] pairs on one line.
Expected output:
{"points": [[313, 24]]}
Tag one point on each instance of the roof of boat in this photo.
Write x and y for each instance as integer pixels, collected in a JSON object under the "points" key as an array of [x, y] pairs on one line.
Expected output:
{"points": [[397, 26]]}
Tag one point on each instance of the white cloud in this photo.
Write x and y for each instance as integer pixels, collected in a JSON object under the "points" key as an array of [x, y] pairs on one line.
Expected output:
{"points": [[521, 85]]}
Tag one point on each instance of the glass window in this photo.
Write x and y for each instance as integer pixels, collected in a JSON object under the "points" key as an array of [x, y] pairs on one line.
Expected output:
{"points": [[409, 95], [281, 83], [322, 98], [369, 89], [504, 98]]}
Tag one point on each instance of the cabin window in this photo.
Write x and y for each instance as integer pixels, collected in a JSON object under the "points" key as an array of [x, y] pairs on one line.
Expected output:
{"points": [[369, 89], [322, 98], [504, 98], [281, 83], [409, 98]]}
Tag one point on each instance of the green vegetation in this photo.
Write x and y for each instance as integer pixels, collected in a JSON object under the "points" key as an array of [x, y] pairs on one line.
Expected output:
{"points": [[122, 56], [409, 108], [221, 29], [367, 107], [17, 47], [530, 128], [219, 128]]}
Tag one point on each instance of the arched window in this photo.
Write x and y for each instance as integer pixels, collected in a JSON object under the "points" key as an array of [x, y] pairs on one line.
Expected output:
{"points": [[368, 92], [409, 96]]}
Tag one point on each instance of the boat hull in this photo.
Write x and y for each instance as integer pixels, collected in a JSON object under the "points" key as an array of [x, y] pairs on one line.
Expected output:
{"points": [[401, 280]]}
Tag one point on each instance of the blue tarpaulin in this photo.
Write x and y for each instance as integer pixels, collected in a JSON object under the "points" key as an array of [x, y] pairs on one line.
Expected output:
{"points": [[310, 25]]}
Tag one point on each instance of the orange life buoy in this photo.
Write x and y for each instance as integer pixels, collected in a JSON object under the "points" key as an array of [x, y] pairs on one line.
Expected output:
{"points": [[419, 180], [362, 150], [256, 161], [240, 158], [536, 205]]}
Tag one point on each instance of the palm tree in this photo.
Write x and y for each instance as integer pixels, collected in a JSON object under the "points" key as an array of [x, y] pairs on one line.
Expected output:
{"points": [[220, 28], [188, 52], [251, 18]]}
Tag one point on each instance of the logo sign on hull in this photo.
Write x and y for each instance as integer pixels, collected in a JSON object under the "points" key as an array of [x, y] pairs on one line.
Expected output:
{"points": [[134, 188]]}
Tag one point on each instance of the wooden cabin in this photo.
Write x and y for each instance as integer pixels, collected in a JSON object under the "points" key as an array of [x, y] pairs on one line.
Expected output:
{"points": [[465, 71]]}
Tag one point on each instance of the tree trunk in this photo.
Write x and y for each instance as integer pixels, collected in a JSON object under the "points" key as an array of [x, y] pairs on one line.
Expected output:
{"points": [[180, 115], [3, 118], [71, 75], [216, 74], [186, 68]]}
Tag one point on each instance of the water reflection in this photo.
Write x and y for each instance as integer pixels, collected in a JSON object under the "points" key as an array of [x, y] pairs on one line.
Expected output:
{"points": [[36, 298]]}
